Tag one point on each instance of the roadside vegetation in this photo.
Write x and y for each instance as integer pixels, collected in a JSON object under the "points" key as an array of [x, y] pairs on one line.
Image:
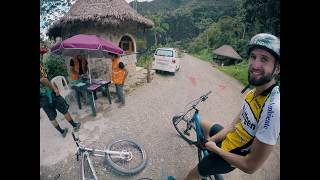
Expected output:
{"points": [[238, 71], [199, 27]]}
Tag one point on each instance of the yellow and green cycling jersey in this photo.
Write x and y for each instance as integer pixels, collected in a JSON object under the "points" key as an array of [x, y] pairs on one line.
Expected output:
{"points": [[260, 118]]}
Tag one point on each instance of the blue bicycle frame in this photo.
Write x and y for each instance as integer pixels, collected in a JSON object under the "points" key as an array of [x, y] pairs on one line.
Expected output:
{"points": [[199, 130], [194, 123]]}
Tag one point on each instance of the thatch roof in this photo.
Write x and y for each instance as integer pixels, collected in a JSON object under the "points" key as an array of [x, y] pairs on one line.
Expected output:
{"points": [[227, 51], [99, 12]]}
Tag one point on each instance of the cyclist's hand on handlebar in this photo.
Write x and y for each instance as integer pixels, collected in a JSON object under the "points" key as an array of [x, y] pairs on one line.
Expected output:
{"points": [[212, 146], [202, 144]]}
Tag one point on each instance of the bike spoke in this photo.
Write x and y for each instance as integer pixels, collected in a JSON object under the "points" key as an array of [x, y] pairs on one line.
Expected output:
{"points": [[185, 128]]}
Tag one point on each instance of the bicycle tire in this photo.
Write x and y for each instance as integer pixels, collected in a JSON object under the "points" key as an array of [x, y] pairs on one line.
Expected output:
{"points": [[86, 172], [179, 122], [136, 164]]}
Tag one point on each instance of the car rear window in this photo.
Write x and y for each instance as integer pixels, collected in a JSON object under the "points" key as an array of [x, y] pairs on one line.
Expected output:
{"points": [[162, 52]]}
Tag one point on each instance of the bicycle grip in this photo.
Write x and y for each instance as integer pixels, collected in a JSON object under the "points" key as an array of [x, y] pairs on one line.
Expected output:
{"points": [[204, 97], [208, 93], [201, 144]]}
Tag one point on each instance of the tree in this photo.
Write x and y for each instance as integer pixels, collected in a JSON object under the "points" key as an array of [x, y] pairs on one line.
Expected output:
{"points": [[160, 28], [51, 10], [262, 16], [55, 65]]}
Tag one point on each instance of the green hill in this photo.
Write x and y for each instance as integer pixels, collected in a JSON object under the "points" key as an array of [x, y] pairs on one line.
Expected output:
{"points": [[185, 18]]}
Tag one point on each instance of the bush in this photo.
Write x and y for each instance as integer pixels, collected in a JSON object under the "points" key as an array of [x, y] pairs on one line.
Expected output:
{"points": [[204, 54], [55, 66], [143, 61]]}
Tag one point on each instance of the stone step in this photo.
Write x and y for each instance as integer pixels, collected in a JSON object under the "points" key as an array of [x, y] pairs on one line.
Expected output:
{"points": [[138, 69]]}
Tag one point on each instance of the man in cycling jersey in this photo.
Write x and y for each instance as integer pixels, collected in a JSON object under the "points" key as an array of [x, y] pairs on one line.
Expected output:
{"points": [[248, 141]]}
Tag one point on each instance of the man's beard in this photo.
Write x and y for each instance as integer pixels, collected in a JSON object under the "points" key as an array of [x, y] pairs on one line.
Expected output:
{"points": [[261, 81]]}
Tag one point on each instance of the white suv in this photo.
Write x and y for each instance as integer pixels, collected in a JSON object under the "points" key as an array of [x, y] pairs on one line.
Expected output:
{"points": [[166, 59]]}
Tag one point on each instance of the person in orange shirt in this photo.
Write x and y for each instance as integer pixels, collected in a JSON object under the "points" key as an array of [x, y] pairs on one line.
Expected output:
{"points": [[119, 75], [79, 66]]}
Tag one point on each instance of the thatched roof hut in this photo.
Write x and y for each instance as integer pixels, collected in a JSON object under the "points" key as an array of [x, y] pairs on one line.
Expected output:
{"points": [[227, 51], [99, 13], [113, 20], [229, 55]]}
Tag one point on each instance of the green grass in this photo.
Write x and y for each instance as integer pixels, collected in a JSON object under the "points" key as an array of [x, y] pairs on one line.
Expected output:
{"points": [[239, 71], [204, 55]]}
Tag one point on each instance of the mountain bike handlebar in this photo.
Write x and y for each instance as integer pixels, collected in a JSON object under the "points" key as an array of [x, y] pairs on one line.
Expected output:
{"points": [[204, 97], [201, 99]]}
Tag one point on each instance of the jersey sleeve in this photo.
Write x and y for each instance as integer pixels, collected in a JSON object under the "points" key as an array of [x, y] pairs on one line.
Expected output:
{"points": [[269, 122]]}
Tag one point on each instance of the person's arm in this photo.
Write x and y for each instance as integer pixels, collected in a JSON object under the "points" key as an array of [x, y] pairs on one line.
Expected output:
{"points": [[222, 134], [126, 73], [248, 164], [47, 83]]}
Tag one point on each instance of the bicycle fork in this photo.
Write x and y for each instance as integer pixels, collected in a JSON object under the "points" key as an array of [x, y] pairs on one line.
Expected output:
{"points": [[86, 157]]}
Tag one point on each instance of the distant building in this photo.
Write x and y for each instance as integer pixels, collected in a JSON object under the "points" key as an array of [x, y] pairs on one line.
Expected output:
{"points": [[226, 55], [112, 20]]}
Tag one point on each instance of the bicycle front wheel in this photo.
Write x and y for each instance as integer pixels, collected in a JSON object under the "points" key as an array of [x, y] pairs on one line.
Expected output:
{"points": [[185, 128], [123, 166]]}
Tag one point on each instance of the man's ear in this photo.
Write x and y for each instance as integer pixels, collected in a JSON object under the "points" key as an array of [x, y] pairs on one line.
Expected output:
{"points": [[277, 71]]}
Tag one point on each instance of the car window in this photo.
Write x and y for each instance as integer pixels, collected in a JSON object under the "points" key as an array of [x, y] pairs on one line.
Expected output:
{"points": [[162, 52]]}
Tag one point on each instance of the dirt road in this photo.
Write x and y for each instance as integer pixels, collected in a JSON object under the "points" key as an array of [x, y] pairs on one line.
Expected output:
{"points": [[147, 118]]}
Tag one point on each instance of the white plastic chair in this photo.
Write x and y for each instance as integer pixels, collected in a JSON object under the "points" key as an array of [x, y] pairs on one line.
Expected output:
{"points": [[63, 87]]}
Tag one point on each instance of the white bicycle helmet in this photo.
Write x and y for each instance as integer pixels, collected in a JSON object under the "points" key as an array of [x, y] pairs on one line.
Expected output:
{"points": [[266, 41]]}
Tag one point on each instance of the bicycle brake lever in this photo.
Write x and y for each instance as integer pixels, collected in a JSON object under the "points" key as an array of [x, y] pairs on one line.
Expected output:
{"points": [[204, 98], [201, 146], [201, 143]]}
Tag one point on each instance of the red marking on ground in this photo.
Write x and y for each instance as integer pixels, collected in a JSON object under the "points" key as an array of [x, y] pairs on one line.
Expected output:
{"points": [[222, 87], [193, 80]]}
